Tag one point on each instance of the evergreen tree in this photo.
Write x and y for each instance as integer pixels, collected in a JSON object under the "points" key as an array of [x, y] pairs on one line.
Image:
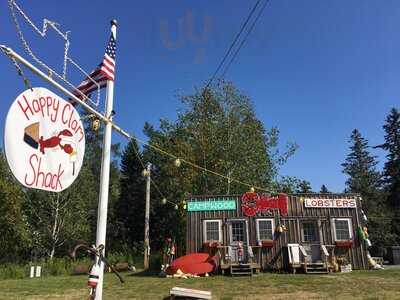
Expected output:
{"points": [[360, 166], [391, 170], [364, 179], [304, 186], [130, 206], [324, 189]]}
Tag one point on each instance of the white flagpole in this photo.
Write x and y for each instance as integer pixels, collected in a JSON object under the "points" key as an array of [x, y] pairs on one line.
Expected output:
{"points": [[105, 178]]}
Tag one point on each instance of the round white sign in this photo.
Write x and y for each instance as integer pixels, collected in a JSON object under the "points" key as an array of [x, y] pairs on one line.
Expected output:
{"points": [[44, 140]]}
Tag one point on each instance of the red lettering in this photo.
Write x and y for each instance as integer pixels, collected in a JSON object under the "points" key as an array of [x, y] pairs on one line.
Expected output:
{"points": [[28, 107], [42, 103], [56, 106], [36, 105], [42, 179], [74, 125], [65, 121], [33, 169]]}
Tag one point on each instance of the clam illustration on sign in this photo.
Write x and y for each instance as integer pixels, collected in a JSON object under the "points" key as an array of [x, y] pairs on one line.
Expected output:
{"points": [[44, 140]]}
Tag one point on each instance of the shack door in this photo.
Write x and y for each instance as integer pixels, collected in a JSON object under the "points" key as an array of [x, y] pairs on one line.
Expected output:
{"points": [[238, 240], [311, 240]]}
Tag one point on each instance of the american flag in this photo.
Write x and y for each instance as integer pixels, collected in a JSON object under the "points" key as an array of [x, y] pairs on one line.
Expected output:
{"points": [[105, 71]]}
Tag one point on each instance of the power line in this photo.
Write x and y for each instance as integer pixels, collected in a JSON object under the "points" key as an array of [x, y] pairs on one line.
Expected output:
{"points": [[233, 43], [245, 38]]}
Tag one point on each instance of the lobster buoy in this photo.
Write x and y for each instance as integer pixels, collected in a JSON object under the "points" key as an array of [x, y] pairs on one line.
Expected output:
{"points": [[364, 216], [94, 276]]}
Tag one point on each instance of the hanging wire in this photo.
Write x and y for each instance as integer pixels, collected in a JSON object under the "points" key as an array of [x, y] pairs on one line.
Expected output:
{"points": [[21, 73], [46, 23], [151, 180]]}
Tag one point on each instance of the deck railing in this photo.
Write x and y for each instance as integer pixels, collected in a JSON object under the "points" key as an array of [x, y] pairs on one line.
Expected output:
{"points": [[229, 255]]}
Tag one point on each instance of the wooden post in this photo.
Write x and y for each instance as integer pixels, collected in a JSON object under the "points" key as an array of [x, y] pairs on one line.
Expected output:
{"points": [[147, 219]]}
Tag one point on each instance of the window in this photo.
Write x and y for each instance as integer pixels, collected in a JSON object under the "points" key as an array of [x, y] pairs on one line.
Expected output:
{"points": [[342, 229], [310, 231], [265, 229], [212, 230], [238, 231]]}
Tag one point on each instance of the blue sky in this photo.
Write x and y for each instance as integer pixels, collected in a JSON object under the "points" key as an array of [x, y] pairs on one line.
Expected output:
{"points": [[315, 69]]}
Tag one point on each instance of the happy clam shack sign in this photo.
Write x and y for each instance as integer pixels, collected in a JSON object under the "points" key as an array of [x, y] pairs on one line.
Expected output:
{"points": [[209, 204], [44, 140]]}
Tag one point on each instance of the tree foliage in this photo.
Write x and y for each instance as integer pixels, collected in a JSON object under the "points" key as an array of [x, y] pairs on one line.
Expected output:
{"points": [[218, 130], [391, 170], [15, 235], [130, 207], [364, 179]]}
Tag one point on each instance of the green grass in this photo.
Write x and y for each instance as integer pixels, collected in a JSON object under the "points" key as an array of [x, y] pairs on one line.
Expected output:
{"points": [[382, 284]]}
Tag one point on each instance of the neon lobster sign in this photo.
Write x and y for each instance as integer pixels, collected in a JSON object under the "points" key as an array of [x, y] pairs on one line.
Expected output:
{"points": [[252, 203]]}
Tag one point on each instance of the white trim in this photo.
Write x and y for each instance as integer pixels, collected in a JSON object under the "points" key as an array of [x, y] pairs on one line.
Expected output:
{"points": [[334, 228], [272, 227], [219, 230]]}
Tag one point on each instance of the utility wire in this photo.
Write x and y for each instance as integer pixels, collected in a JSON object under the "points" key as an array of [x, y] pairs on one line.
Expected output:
{"points": [[233, 43], [245, 38]]}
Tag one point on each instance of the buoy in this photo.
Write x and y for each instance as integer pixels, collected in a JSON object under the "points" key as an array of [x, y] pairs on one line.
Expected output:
{"points": [[94, 276]]}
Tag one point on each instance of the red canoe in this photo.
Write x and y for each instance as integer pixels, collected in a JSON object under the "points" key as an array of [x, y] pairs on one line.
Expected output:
{"points": [[194, 263]]}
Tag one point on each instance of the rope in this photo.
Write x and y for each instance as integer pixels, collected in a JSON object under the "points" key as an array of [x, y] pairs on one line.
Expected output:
{"points": [[46, 23], [20, 72]]}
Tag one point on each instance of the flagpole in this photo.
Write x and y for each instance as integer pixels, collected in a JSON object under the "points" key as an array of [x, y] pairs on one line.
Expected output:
{"points": [[105, 178]]}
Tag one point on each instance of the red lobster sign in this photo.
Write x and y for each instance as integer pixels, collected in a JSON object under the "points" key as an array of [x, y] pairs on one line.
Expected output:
{"points": [[252, 203]]}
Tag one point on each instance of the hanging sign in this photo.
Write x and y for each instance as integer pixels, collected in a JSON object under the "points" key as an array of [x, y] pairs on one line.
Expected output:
{"points": [[330, 203], [205, 205], [44, 140], [252, 203]]}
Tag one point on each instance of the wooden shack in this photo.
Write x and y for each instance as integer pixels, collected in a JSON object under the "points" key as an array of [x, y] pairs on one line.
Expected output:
{"points": [[311, 232]]}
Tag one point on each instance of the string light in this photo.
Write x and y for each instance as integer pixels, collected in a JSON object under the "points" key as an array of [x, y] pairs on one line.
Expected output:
{"points": [[176, 207], [164, 201], [252, 189], [177, 162], [95, 124]]}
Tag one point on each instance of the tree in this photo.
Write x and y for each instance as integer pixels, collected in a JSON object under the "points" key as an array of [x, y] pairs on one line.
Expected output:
{"points": [[364, 179], [391, 171], [130, 206], [15, 237], [60, 220], [218, 130], [360, 166], [324, 189], [304, 186]]}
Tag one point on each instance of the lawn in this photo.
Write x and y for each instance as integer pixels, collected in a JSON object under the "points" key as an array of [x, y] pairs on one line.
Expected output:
{"points": [[382, 284]]}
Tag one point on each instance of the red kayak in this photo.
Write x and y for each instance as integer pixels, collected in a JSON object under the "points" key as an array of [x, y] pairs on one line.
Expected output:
{"points": [[194, 263]]}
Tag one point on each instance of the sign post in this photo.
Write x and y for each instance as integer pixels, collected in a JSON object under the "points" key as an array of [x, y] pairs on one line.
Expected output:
{"points": [[147, 219], [105, 179]]}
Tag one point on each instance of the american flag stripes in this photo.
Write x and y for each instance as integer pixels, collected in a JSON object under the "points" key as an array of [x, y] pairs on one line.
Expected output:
{"points": [[105, 71]]}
